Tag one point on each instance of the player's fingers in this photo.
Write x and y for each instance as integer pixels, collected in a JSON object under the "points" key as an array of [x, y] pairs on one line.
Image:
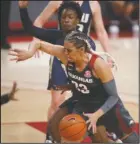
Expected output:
{"points": [[14, 99], [86, 114], [11, 50], [12, 53], [17, 50], [14, 59], [94, 128], [14, 87], [88, 121], [38, 54], [90, 126]]}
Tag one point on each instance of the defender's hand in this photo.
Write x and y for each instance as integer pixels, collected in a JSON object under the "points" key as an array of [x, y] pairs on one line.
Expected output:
{"points": [[13, 91]]}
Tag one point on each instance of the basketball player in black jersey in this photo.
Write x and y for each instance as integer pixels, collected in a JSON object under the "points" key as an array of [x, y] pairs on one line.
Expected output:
{"points": [[94, 92], [69, 15], [91, 14], [70, 10]]}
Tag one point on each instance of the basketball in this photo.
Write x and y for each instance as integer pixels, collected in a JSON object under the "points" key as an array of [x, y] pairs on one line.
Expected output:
{"points": [[72, 127]]}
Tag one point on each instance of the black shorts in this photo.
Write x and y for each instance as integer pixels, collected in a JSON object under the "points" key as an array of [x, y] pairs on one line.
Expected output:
{"points": [[117, 120]]}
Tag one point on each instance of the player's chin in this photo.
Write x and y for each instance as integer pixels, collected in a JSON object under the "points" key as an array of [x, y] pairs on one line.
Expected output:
{"points": [[68, 28]]}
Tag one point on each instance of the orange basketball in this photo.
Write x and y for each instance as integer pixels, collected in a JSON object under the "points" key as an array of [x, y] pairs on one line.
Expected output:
{"points": [[72, 127]]}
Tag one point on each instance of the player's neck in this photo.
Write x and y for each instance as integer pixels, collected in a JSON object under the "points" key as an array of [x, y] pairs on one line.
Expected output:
{"points": [[82, 62], [66, 32]]}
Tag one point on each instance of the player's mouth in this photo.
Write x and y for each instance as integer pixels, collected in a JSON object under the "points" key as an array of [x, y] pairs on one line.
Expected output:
{"points": [[69, 59]]}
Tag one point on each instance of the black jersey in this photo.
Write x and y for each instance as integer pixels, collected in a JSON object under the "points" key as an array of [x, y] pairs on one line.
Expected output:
{"points": [[87, 87]]}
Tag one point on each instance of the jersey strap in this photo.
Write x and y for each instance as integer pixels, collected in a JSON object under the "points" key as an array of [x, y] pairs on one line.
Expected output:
{"points": [[92, 60]]}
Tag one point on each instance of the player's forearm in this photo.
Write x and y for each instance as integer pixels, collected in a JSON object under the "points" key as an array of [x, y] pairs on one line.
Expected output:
{"points": [[46, 47], [111, 90], [39, 24], [104, 40], [26, 21]]}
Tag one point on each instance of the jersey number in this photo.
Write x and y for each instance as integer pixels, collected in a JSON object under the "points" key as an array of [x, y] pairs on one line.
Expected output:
{"points": [[81, 87], [84, 19]]}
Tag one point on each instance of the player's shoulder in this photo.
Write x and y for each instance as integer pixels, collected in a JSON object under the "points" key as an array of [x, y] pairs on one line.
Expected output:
{"points": [[100, 64], [97, 62]]}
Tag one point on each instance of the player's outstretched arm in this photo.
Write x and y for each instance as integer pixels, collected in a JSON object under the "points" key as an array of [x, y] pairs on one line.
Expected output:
{"points": [[55, 50], [41, 33], [44, 16]]}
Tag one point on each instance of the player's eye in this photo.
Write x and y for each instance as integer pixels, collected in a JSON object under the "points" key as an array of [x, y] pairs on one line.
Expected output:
{"points": [[71, 17], [67, 50]]}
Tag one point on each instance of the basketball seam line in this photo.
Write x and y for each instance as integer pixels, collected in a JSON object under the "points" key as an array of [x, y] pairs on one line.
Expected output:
{"points": [[69, 126], [77, 133]]}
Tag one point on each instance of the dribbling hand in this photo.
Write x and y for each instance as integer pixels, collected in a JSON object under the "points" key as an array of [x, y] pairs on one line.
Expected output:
{"points": [[92, 120]]}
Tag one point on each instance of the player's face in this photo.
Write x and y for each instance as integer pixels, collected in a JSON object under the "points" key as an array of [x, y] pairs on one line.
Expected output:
{"points": [[69, 20], [73, 54]]}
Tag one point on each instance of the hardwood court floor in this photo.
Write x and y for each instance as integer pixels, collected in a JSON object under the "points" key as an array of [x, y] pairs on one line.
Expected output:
{"points": [[32, 108], [24, 120]]}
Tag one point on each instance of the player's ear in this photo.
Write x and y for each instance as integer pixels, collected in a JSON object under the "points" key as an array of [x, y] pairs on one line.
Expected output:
{"points": [[82, 49]]}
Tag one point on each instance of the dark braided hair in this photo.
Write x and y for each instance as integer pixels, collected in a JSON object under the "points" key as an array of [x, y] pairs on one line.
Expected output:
{"points": [[80, 40], [70, 5]]}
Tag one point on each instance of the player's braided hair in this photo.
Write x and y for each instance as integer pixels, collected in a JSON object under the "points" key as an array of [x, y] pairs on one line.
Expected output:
{"points": [[70, 5], [80, 40]]}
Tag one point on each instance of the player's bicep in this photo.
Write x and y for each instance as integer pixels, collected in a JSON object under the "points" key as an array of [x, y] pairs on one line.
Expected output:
{"points": [[55, 50], [102, 70]]}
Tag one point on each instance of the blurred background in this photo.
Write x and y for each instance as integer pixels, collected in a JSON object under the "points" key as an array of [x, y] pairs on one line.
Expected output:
{"points": [[118, 16], [121, 20]]}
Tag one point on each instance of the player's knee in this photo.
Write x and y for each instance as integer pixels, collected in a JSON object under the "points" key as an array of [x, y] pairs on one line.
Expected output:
{"points": [[131, 138]]}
